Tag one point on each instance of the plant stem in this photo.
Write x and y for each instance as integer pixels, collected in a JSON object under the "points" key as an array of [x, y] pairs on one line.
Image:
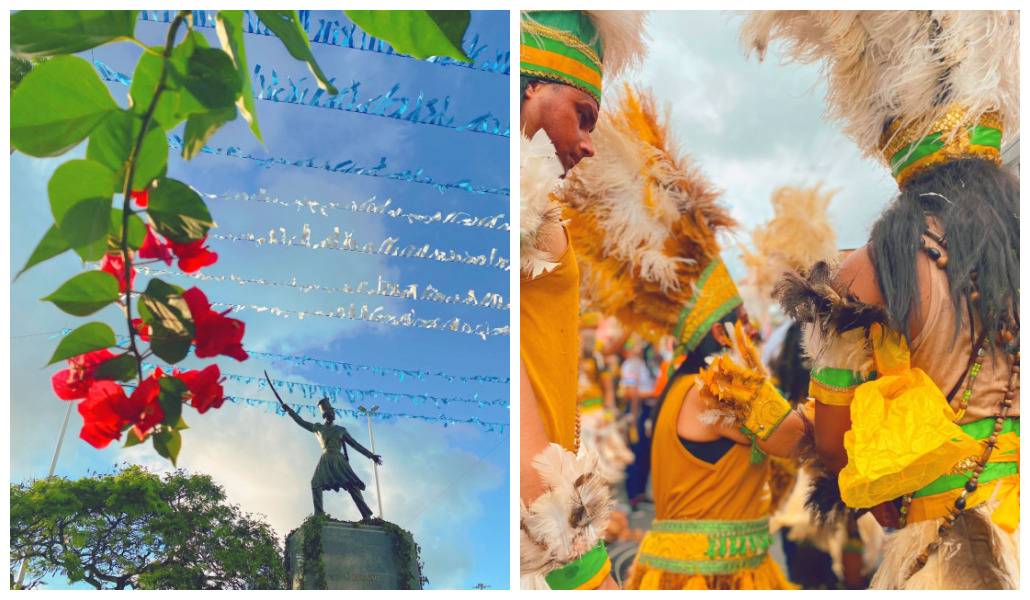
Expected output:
{"points": [[130, 171]]}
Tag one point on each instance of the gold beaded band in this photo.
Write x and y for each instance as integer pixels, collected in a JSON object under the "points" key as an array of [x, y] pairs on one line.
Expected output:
{"points": [[952, 137]]}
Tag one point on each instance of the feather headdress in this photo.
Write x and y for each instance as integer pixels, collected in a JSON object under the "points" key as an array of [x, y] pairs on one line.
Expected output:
{"points": [[642, 220], [896, 77], [798, 236]]}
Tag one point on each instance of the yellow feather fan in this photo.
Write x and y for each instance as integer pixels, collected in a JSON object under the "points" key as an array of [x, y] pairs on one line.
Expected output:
{"points": [[798, 236], [642, 220]]}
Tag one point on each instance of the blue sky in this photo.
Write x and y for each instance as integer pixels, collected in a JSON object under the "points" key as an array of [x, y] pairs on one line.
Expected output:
{"points": [[752, 127], [448, 485]]}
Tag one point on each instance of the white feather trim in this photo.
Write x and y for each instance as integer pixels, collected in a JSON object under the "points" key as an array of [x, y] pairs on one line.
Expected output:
{"points": [[623, 38], [568, 519], [904, 66], [540, 175]]}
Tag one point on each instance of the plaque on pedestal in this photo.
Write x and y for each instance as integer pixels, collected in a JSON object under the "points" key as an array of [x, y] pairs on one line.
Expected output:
{"points": [[341, 555]]}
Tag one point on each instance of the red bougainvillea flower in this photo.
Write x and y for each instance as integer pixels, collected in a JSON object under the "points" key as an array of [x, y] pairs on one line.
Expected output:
{"points": [[193, 256], [102, 421], [114, 263], [154, 247], [214, 332], [142, 408], [74, 382], [142, 329], [142, 197], [205, 388]]}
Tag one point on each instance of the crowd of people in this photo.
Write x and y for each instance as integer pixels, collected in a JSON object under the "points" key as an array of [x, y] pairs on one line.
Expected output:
{"points": [[855, 422]]}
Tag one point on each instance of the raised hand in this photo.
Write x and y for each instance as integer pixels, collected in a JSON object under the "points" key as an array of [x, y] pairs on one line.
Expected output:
{"points": [[377, 459]]}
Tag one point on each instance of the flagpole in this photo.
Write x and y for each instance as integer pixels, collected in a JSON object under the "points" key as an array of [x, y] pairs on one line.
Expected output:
{"points": [[368, 412]]}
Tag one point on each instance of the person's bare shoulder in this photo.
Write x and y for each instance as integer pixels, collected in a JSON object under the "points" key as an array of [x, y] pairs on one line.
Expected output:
{"points": [[859, 274]]}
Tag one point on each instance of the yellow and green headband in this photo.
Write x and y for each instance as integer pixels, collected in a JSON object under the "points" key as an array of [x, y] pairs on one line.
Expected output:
{"points": [[716, 297], [562, 46], [952, 137]]}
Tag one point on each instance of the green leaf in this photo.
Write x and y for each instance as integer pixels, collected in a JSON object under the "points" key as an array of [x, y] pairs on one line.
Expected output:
{"points": [[419, 33], [137, 230], [286, 26], [75, 182], [170, 398], [144, 84], [201, 126], [37, 33], [57, 105], [181, 424], [168, 443], [119, 368], [86, 222], [163, 308], [111, 144], [230, 33], [178, 212], [87, 338], [211, 78], [19, 69], [86, 293], [131, 439], [50, 246]]}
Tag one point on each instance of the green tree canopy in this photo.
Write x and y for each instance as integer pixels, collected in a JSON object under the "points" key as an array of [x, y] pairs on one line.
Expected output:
{"points": [[137, 529]]}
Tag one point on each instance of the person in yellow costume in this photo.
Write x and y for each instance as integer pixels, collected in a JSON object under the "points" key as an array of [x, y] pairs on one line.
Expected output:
{"points": [[565, 504], [654, 264], [915, 340]]}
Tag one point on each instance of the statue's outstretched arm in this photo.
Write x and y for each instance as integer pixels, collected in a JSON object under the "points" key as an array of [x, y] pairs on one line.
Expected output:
{"points": [[293, 414], [354, 443]]}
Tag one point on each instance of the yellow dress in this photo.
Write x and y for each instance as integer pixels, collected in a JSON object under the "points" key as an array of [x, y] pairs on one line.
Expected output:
{"points": [[711, 528], [549, 346]]}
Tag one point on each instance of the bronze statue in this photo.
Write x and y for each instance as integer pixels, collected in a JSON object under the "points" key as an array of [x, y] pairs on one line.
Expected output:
{"points": [[333, 471]]}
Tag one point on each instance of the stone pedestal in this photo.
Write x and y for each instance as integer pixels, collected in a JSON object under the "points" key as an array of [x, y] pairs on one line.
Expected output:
{"points": [[353, 556]]}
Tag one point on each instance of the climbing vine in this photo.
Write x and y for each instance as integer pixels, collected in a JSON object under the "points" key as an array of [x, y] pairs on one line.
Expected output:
{"points": [[118, 209]]}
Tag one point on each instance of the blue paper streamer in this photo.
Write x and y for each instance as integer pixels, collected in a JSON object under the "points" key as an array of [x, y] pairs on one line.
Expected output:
{"points": [[348, 368], [315, 411], [347, 167], [390, 105], [347, 35]]}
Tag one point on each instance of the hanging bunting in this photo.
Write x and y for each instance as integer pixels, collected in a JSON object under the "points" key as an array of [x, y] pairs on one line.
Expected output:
{"points": [[349, 167], [377, 315], [346, 368], [381, 287], [344, 242], [372, 206], [313, 410], [347, 35]]}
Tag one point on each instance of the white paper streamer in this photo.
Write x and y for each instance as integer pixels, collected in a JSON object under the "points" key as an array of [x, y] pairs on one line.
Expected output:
{"points": [[381, 287], [372, 206], [377, 315], [344, 242]]}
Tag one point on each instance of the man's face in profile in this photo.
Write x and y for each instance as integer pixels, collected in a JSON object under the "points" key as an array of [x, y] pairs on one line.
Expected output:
{"points": [[566, 114]]}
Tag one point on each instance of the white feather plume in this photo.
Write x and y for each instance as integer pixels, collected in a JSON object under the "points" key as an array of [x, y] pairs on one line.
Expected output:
{"points": [[540, 175], [906, 67]]}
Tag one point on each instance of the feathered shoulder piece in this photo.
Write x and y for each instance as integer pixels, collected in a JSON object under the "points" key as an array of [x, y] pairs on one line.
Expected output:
{"points": [[540, 174], [643, 221], [798, 235], [836, 323], [896, 77]]}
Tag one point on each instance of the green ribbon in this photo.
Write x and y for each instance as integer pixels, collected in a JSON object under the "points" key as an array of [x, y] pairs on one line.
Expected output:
{"points": [[579, 571], [980, 430], [838, 378], [979, 135]]}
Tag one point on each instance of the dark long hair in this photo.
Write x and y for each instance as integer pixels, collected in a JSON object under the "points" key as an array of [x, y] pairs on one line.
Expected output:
{"points": [[790, 366], [977, 204]]}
